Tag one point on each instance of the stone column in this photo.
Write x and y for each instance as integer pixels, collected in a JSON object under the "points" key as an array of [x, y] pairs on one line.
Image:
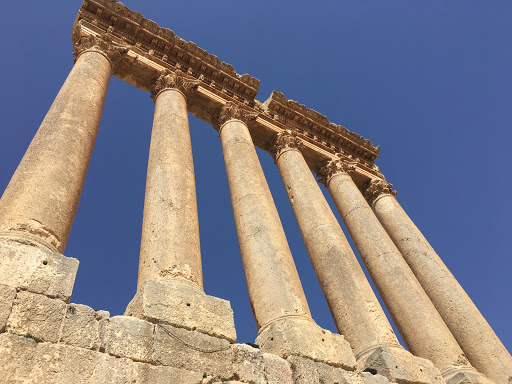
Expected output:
{"points": [[170, 284], [39, 204], [278, 302], [419, 323], [355, 309], [476, 338], [170, 226]]}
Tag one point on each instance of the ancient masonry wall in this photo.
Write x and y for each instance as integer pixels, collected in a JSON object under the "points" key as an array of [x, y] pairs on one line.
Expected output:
{"points": [[172, 331]]}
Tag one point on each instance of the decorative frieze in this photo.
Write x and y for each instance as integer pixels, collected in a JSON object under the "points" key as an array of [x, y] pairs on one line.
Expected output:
{"points": [[376, 187], [176, 80], [332, 167], [284, 141], [233, 111]]}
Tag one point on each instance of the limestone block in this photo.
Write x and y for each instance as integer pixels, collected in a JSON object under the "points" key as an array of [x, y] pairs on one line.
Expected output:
{"points": [[130, 337], [158, 374], [466, 376], [246, 364], [370, 378], [23, 360], [277, 370], [81, 326], [7, 295], [36, 269], [183, 305], [36, 315], [399, 365], [112, 370], [288, 337], [191, 350], [306, 371]]}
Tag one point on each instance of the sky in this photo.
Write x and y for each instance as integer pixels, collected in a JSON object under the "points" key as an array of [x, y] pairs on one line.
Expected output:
{"points": [[430, 82]]}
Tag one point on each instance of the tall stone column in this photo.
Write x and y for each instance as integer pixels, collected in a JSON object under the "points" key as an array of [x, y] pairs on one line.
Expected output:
{"points": [[278, 302], [476, 338], [39, 204], [418, 321], [355, 309], [170, 284]]}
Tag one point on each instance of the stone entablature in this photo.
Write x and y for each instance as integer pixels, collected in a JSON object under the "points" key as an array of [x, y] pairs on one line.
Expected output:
{"points": [[150, 50]]}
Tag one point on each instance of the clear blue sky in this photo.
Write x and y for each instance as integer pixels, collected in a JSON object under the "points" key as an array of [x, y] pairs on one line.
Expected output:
{"points": [[429, 81]]}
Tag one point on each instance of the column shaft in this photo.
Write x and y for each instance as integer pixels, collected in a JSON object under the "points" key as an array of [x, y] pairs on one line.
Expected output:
{"points": [[476, 338], [421, 327], [170, 228], [355, 309], [274, 287], [43, 194]]}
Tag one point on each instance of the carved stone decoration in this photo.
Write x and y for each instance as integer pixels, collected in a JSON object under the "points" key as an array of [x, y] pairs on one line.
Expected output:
{"points": [[377, 187], [176, 80], [333, 167], [102, 44], [232, 111], [285, 140]]}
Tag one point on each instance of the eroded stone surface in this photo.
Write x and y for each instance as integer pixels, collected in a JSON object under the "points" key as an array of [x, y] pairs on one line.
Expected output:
{"points": [[7, 295], [130, 337], [82, 325], [466, 376], [288, 337], [277, 370], [37, 316], [306, 371], [184, 305], [399, 365], [35, 269]]}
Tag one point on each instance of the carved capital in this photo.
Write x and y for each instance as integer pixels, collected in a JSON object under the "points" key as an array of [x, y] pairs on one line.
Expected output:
{"points": [[376, 187], [232, 111], [285, 140], [102, 44], [174, 80], [333, 167]]}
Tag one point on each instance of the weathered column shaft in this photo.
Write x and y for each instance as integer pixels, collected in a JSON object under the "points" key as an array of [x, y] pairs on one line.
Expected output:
{"points": [[43, 194], [355, 309], [170, 228], [476, 338], [421, 327], [274, 287]]}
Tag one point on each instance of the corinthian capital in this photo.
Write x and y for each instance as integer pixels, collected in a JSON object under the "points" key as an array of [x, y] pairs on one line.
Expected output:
{"points": [[174, 80], [233, 111], [333, 167], [377, 187], [285, 140], [101, 44]]}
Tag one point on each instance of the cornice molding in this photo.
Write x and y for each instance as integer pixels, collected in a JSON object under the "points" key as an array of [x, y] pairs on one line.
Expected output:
{"points": [[285, 140], [377, 187]]}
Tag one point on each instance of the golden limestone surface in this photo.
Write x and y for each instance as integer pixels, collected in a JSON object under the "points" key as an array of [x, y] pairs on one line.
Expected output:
{"points": [[172, 330]]}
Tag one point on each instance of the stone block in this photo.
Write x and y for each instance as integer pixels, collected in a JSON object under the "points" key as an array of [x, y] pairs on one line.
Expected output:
{"points": [[35, 269], [287, 337], [182, 304], [130, 337], [158, 374], [277, 370], [191, 350], [81, 326], [112, 370], [399, 365], [36, 315], [23, 360], [465, 375], [372, 378], [7, 296], [306, 371]]}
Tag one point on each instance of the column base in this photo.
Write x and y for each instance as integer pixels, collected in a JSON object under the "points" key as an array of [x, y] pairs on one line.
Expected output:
{"points": [[400, 366], [294, 337], [27, 265], [464, 375], [182, 304]]}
